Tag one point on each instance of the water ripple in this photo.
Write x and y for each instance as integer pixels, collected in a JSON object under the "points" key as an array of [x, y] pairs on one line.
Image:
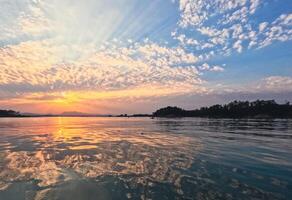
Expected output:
{"points": [[119, 158]]}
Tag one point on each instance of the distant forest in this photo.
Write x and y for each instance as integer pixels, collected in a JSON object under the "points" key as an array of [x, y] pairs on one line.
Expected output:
{"points": [[9, 113], [235, 109]]}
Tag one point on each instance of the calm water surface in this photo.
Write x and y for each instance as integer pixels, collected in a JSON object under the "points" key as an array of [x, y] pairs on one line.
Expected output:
{"points": [[141, 158]]}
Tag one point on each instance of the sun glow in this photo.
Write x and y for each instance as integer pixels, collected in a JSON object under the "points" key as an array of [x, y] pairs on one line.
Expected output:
{"points": [[84, 101], [67, 98], [93, 22]]}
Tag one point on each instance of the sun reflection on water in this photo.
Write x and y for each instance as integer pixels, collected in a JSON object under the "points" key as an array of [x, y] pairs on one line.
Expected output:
{"points": [[68, 149]]}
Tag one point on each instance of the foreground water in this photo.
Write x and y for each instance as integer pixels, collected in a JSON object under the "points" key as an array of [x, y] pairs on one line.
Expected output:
{"points": [[141, 158]]}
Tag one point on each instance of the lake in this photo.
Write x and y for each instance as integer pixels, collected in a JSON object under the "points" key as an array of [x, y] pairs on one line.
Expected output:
{"points": [[143, 158]]}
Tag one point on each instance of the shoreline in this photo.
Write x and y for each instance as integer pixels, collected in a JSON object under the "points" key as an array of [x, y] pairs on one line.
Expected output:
{"points": [[151, 117]]}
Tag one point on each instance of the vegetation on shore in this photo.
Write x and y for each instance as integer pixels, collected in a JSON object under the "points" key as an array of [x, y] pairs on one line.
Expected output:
{"points": [[9, 113], [235, 109]]}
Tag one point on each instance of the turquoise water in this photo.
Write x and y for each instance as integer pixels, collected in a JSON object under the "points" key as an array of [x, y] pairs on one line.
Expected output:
{"points": [[142, 158]]}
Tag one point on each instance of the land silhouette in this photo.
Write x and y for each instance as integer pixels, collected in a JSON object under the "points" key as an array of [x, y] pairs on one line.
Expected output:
{"points": [[235, 109], [9, 113]]}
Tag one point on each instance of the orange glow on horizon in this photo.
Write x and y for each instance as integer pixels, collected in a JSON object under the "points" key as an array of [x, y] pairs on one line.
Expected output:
{"points": [[84, 101]]}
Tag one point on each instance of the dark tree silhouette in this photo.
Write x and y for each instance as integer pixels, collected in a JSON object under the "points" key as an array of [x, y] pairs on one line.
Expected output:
{"points": [[235, 109], [9, 113]]}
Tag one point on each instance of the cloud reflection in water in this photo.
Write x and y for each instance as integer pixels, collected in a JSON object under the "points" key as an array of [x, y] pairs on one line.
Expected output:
{"points": [[66, 151]]}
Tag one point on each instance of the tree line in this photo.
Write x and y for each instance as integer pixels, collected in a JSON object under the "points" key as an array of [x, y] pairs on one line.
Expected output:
{"points": [[235, 109], [9, 113]]}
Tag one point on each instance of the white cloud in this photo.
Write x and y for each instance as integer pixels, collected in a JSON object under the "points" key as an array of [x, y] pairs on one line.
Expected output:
{"points": [[254, 5], [262, 26], [225, 25], [207, 67], [217, 69], [275, 84], [40, 65], [197, 12], [284, 19], [237, 45]]}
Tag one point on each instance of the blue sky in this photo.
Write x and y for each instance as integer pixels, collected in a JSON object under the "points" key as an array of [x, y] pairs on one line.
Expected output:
{"points": [[139, 55]]}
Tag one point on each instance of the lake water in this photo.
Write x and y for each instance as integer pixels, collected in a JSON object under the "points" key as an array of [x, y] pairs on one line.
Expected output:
{"points": [[142, 158]]}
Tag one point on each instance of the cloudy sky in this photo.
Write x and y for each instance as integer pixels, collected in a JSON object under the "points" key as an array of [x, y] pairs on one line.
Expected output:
{"points": [[134, 56]]}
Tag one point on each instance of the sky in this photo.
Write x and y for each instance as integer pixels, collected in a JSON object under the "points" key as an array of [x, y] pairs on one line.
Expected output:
{"points": [[135, 56]]}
